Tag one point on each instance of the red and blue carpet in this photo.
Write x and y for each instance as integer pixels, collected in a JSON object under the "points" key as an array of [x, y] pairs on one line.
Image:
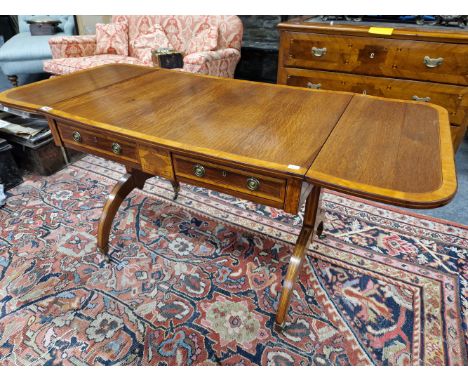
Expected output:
{"points": [[197, 281]]}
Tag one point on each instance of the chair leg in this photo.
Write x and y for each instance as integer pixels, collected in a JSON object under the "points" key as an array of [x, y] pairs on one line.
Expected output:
{"points": [[13, 79]]}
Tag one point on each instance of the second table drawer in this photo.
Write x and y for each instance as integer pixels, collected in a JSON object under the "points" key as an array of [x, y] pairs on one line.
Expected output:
{"points": [[228, 178]]}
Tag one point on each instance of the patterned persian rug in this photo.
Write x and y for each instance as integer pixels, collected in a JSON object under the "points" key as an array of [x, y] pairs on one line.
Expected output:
{"points": [[197, 281]]}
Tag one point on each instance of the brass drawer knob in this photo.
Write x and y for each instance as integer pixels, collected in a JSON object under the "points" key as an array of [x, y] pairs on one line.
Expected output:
{"points": [[319, 52], [116, 148], [253, 184], [433, 62], [199, 170], [310, 85], [422, 99], [76, 136]]}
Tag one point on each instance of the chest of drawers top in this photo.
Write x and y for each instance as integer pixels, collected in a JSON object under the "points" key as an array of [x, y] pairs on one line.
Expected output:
{"points": [[400, 31]]}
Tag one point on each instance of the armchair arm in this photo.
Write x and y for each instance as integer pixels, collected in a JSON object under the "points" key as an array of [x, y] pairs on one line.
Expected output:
{"points": [[201, 58], [220, 62], [72, 46]]}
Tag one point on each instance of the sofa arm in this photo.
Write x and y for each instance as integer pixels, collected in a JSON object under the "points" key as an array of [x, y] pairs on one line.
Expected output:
{"points": [[201, 58], [72, 46], [221, 63]]}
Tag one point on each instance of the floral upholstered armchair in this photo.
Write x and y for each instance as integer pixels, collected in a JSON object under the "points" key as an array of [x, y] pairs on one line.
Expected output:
{"points": [[74, 53]]}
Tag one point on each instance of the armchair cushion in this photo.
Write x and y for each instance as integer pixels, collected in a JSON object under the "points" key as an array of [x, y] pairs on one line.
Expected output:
{"points": [[112, 38], [24, 53], [15, 48], [205, 40], [155, 39]]}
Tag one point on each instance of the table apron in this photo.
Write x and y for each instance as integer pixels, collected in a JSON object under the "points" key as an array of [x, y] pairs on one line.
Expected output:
{"points": [[261, 186]]}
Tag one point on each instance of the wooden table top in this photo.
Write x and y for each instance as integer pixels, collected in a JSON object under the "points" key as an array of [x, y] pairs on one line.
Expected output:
{"points": [[393, 151]]}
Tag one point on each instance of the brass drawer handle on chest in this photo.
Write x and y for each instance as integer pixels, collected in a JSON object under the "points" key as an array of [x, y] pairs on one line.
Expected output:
{"points": [[433, 62], [76, 136], [199, 170], [319, 52], [253, 184], [310, 85], [422, 99], [116, 148]]}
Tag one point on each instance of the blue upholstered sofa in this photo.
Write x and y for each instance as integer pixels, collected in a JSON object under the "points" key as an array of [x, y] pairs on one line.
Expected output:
{"points": [[24, 53]]}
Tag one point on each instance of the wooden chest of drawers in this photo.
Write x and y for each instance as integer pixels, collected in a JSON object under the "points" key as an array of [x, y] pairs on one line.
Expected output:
{"points": [[420, 64]]}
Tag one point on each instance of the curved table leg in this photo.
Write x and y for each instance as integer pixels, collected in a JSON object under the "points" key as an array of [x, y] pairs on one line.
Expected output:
{"points": [[132, 179], [302, 243]]}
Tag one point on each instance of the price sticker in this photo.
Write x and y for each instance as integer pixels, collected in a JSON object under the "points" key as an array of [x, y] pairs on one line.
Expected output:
{"points": [[383, 31]]}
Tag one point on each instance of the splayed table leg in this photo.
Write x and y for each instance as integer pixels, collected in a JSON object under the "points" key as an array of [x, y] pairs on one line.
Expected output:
{"points": [[132, 179], [302, 243]]}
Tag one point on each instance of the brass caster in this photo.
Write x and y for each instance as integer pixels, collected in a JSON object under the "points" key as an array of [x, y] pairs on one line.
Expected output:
{"points": [[104, 253], [279, 327], [176, 187]]}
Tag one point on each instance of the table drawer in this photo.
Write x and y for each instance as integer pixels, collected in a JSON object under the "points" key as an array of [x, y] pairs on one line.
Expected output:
{"points": [[108, 145], [228, 179], [453, 98], [420, 60]]}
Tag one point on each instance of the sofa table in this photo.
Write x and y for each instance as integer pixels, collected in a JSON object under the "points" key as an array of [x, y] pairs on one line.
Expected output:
{"points": [[271, 144]]}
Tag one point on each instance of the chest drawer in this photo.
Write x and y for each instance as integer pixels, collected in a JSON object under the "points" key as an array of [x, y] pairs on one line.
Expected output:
{"points": [[108, 145], [420, 60], [231, 180], [453, 98]]}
